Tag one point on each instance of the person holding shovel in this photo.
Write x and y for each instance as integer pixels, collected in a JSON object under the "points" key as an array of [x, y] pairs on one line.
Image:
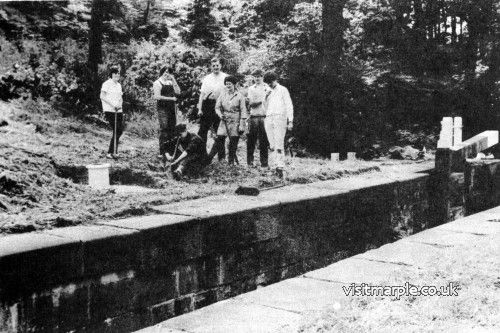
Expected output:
{"points": [[211, 88], [112, 101], [165, 90], [231, 109], [190, 154]]}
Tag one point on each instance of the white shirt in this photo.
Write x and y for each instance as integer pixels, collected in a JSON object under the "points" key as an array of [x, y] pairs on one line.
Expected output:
{"points": [[278, 102], [257, 93], [113, 93], [211, 87]]}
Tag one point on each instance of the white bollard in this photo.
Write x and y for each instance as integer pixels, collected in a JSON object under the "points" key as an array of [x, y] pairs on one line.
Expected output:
{"points": [[351, 156], [99, 175], [334, 157], [457, 131], [446, 134]]}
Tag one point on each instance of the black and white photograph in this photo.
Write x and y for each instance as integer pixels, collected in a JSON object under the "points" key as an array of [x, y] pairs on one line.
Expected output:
{"points": [[249, 166]]}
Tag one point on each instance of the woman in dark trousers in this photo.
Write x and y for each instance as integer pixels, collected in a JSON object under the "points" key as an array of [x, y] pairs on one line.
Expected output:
{"points": [[165, 90], [111, 98], [231, 109]]}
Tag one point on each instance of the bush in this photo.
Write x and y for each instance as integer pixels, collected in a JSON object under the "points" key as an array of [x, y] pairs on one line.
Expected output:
{"points": [[186, 62]]}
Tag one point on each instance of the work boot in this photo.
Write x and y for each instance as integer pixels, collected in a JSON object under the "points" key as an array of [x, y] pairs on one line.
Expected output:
{"points": [[177, 174]]}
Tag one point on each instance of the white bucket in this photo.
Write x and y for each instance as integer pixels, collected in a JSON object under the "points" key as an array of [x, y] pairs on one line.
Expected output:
{"points": [[99, 175], [351, 156], [335, 157]]}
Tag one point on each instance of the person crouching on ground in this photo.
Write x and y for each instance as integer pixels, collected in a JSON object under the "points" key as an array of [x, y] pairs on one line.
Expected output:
{"points": [[231, 109], [279, 118], [193, 157], [112, 100], [164, 91]]}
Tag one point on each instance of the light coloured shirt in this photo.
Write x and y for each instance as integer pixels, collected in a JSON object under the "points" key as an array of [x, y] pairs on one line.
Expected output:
{"points": [[232, 105], [256, 94], [113, 94], [211, 87], [278, 102]]}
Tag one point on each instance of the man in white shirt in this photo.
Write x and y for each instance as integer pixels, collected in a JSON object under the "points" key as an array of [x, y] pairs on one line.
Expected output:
{"points": [[112, 100], [211, 87], [279, 118]]}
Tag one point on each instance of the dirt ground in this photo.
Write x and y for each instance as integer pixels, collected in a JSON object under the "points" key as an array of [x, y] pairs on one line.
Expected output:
{"points": [[43, 174]]}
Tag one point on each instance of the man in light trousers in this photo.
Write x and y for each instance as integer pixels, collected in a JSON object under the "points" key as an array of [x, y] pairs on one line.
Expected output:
{"points": [[279, 118]]}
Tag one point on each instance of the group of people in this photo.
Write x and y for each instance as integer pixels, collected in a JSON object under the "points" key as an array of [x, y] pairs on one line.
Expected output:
{"points": [[263, 110]]}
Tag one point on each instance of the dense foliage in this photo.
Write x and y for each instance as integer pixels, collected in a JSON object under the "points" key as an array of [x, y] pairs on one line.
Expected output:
{"points": [[402, 64]]}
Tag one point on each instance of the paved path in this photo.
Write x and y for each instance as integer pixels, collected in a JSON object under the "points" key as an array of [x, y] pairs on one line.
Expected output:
{"points": [[282, 307]]}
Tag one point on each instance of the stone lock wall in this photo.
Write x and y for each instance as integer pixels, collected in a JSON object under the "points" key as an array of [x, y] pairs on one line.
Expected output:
{"points": [[126, 274]]}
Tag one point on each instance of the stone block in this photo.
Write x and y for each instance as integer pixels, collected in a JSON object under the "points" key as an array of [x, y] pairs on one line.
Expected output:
{"points": [[126, 322], [162, 311], [296, 193], [237, 317], [300, 295], [406, 253], [444, 238], [171, 246], [216, 206], [71, 306], [113, 295], [184, 304], [358, 270], [32, 262], [105, 249], [483, 224]]}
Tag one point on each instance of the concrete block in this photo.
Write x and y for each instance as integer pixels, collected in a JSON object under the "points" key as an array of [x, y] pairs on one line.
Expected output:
{"points": [[105, 249], [297, 295], [237, 317], [33, 261]]}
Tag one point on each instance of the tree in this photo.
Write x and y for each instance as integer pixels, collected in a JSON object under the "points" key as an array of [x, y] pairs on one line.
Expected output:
{"points": [[204, 27]]}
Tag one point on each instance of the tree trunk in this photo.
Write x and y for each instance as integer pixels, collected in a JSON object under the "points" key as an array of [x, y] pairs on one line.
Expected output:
{"points": [[95, 35], [95, 44], [334, 25], [333, 34], [146, 13]]}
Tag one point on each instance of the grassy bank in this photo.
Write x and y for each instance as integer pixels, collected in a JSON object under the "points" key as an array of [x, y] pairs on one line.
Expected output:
{"points": [[41, 153]]}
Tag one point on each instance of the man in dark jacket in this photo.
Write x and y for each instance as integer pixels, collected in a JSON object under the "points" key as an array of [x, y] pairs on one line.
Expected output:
{"points": [[190, 155]]}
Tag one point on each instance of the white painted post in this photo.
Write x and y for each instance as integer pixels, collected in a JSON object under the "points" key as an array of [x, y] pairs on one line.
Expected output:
{"points": [[457, 131], [446, 135], [334, 157]]}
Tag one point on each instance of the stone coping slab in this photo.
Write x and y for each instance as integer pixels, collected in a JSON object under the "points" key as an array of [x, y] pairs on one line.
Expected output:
{"points": [[358, 270], [216, 206], [298, 295], [34, 241], [446, 238], [149, 222], [403, 253], [232, 316]]}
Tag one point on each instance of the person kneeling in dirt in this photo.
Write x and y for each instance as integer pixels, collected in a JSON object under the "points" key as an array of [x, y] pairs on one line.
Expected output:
{"points": [[193, 154]]}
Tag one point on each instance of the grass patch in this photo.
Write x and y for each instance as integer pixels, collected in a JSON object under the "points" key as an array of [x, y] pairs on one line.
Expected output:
{"points": [[476, 269]]}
